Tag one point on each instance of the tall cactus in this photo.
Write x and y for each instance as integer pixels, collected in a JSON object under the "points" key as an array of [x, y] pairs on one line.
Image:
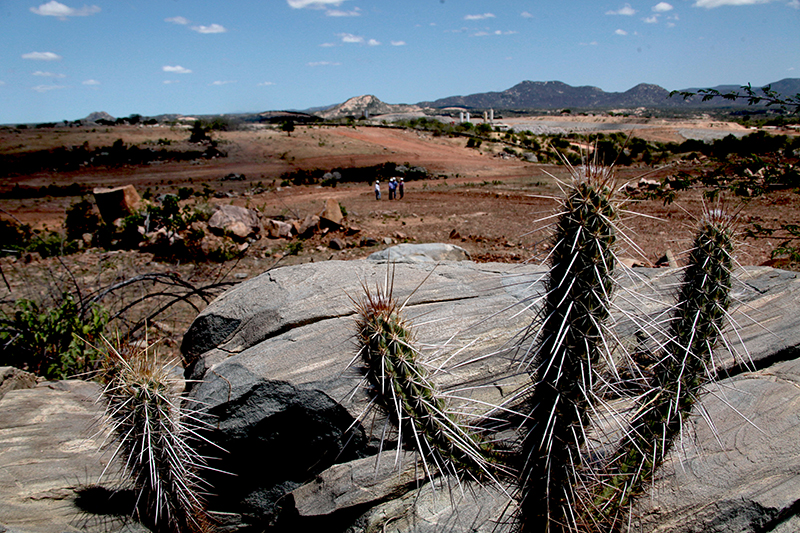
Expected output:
{"points": [[403, 388], [677, 377], [567, 343]]}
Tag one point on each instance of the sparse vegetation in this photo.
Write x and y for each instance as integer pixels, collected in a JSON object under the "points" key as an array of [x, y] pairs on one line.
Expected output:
{"points": [[66, 159], [55, 339]]}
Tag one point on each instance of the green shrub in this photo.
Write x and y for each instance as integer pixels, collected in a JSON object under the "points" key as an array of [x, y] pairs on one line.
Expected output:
{"points": [[54, 341]]}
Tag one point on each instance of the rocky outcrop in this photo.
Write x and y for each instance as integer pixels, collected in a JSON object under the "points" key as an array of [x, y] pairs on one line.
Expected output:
{"points": [[271, 359], [364, 106]]}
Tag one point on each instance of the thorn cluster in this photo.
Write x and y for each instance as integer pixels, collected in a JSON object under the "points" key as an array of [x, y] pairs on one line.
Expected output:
{"points": [[401, 385], [683, 368], [156, 440], [568, 342]]}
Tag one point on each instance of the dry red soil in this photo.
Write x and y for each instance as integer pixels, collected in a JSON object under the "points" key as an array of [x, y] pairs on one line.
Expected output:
{"points": [[495, 208]]}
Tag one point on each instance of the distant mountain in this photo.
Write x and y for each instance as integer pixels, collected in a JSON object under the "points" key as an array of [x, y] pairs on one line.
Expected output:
{"points": [[92, 118], [559, 95], [359, 106]]}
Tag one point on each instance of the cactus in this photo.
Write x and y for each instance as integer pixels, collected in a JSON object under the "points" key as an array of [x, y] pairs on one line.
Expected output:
{"points": [[156, 441], [678, 375], [401, 385], [567, 343]]}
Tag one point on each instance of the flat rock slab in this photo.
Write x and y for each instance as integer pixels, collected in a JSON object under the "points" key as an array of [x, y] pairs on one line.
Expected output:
{"points": [[743, 474], [272, 355], [49, 447]]}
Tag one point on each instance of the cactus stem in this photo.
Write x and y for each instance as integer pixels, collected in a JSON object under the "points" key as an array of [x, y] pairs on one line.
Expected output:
{"points": [[402, 386]]}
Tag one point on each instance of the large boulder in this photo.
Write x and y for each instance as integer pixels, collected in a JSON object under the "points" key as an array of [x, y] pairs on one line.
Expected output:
{"points": [[332, 214], [277, 229], [116, 202], [272, 361], [234, 221]]}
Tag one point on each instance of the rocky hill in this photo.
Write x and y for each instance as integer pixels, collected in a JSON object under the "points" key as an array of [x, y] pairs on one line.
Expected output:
{"points": [[92, 118], [359, 106]]}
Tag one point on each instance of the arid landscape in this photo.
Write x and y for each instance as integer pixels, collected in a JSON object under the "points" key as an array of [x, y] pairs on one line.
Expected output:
{"points": [[493, 205], [490, 201]]}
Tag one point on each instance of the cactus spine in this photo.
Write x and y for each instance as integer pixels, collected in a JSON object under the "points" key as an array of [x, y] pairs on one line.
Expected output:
{"points": [[156, 440], [403, 388], [567, 343], [684, 367]]}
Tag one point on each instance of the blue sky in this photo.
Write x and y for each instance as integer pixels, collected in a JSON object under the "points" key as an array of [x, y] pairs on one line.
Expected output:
{"points": [[64, 60]]}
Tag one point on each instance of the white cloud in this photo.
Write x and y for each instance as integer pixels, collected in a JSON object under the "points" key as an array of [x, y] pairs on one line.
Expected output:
{"points": [[526, 15], [496, 32], [214, 28], [178, 20], [624, 10], [46, 88], [593, 43], [313, 4], [42, 56], [57, 9], [373, 42], [710, 4], [350, 38], [794, 3], [479, 17], [222, 82], [176, 69], [651, 20], [323, 64], [621, 32], [339, 13], [90, 82], [266, 84], [398, 43], [49, 74], [3, 83], [170, 82], [662, 7], [328, 45]]}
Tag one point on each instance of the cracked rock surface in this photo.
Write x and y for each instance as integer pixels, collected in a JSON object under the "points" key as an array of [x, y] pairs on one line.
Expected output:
{"points": [[276, 375], [272, 358]]}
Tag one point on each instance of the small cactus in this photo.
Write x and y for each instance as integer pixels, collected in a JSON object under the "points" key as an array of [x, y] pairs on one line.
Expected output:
{"points": [[566, 345], [156, 441], [678, 375], [402, 386]]}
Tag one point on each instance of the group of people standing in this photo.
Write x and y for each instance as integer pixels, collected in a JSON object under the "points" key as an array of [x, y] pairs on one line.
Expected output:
{"points": [[396, 189]]}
